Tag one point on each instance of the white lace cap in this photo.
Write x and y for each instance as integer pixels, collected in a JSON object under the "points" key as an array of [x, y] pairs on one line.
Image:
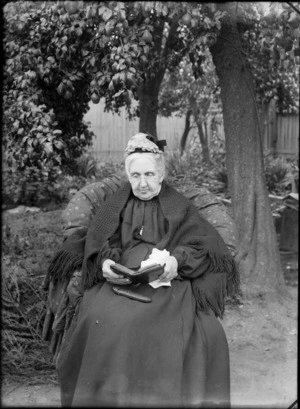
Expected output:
{"points": [[140, 143]]}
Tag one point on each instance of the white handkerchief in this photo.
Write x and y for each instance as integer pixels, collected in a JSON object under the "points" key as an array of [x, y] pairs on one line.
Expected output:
{"points": [[158, 257], [158, 283]]}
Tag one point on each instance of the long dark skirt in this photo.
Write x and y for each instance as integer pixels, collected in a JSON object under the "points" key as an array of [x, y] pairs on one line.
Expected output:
{"points": [[122, 352]]}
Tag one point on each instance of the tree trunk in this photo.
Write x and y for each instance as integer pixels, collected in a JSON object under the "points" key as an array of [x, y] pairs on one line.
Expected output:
{"points": [[204, 143], [148, 92], [199, 112], [258, 256], [148, 97], [186, 131]]}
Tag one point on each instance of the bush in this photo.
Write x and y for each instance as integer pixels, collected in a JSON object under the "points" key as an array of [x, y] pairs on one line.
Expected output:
{"points": [[282, 175], [33, 187], [29, 187], [23, 309], [189, 169], [88, 166], [108, 168]]}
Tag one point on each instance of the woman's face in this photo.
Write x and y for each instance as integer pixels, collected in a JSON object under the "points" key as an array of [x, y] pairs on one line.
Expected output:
{"points": [[144, 177]]}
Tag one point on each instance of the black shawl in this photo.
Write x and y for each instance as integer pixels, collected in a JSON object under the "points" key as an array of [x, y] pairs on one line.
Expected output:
{"points": [[186, 227]]}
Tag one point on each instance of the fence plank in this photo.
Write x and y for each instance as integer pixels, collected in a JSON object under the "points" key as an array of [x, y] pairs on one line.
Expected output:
{"points": [[113, 131], [287, 135]]}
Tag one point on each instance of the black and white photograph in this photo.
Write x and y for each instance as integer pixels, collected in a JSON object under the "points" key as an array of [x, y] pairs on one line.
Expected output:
{"points": [[150, 200]]}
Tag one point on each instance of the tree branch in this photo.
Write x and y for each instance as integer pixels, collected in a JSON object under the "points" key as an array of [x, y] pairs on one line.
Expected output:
{"points": [[293, 7]]}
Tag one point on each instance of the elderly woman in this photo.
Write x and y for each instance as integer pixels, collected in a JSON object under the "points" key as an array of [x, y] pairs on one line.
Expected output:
{"points": [[171, 351]]}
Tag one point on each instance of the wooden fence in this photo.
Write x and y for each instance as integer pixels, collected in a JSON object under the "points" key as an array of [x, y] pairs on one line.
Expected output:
{"points": [[113, 131], [287, 142], [280, 132]]}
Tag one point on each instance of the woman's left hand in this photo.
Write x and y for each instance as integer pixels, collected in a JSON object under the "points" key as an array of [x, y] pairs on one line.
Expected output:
{"points": [[170, 270]]}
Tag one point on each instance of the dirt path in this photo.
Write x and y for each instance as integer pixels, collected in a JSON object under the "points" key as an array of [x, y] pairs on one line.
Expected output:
{"points": [[262, 337], [263, 349]]}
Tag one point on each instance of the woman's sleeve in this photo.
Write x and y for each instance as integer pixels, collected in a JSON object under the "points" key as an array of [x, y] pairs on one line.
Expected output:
{"points": [[113, 253], [111, 249], [192, 261]]}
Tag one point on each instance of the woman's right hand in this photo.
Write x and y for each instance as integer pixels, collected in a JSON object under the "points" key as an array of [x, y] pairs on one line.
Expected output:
{"points": [[112, 277]]}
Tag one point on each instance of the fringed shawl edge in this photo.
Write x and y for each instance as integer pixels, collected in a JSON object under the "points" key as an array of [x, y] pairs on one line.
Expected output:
{"points": [[221, 280], [63, 265], [91, 271]]}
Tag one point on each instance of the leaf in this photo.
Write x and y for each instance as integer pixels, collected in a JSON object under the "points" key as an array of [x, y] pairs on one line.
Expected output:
{"points": [[48, 148], [58, 144], [92, 61], [119, 93], [165, 11], [51, 59], [122, 15], [148, 5], [16, 124], [101, 10], [107, 14]]}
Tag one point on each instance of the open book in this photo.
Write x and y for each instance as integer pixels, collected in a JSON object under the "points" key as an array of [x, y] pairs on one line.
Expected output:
{"points": [[144, 275]]}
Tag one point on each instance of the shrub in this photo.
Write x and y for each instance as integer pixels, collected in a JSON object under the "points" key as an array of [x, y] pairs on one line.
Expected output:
{"points": [[33, 187], [189, 169], [40, 189], [86, 165], [89, 167], [29, 187], [108, 168], [23, 309], [281, 174]]}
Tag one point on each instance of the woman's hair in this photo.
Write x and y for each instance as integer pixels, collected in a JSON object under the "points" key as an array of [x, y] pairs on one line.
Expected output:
{"points": [[157, 157]]}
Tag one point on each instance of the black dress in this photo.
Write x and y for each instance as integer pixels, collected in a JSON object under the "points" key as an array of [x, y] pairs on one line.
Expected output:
{"points": [[121, 352]]}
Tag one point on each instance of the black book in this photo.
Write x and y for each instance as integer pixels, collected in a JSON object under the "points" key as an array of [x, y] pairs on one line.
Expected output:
{"points": [[144, 275]]}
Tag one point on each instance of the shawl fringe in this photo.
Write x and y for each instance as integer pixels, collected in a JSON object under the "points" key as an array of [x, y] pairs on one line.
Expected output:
{"points": [[212, 298], [91, 272], [221, 280], [63, 265], [67, 260]]}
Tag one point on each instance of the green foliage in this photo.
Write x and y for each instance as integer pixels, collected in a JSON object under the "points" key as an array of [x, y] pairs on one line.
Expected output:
{"points": [[58, 56], [28, 244], [185, 89], [34, 188], [43, 126], [271, 43], [87, 165], [282, 175], [217, 148], [42, 189], [61, 55], [30, 186], [190, 169], [23, 311], [109, 167], [193, 86]]}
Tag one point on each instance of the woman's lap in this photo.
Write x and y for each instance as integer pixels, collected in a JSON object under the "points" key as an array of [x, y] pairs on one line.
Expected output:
{"points": [[131, 353]]}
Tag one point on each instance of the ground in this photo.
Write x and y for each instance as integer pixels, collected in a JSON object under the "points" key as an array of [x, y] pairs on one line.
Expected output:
{"points": [[262, 335]]}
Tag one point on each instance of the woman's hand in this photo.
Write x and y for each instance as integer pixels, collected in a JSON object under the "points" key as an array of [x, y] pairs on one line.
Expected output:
{"points": [[170, 270], [112, 277]]}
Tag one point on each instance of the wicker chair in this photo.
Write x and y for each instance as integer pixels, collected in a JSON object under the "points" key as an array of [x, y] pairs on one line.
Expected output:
{"points": [[78, 214]]}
